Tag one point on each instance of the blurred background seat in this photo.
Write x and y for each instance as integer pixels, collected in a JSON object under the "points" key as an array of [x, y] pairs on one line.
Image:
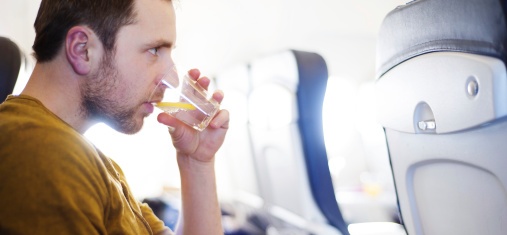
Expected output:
{"points": [[280, 125], [442, 100], [10, 64]]}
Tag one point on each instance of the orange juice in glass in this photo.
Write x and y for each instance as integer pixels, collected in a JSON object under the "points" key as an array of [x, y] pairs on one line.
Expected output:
{"points": [[185, 99]]}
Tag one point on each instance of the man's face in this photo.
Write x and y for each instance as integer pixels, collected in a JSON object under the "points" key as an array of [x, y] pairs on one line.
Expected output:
{"points": [[119, 91]]}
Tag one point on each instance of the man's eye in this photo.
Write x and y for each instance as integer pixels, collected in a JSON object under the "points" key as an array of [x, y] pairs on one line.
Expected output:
{"points": [[153, 51]]}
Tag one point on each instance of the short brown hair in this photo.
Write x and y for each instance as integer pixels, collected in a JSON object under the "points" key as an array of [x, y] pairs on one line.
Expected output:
{"points": [[56, 17]]}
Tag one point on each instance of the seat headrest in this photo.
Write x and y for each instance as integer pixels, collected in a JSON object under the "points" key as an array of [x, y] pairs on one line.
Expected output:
{"points": [[424, 26], [10, 63]]}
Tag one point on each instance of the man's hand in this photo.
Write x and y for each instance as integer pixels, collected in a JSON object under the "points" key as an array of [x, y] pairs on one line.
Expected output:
{"points": [[195, 152], [188, 142]]}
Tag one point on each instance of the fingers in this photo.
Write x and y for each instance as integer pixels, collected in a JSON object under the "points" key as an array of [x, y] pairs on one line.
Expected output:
{"points": [[178, 130], [194, 73], [204, 83], [167, 120], [218, 96], [221, 120]]}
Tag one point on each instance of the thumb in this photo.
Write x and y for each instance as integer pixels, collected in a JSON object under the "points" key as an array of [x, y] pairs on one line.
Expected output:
{"points": [[167, 120]]}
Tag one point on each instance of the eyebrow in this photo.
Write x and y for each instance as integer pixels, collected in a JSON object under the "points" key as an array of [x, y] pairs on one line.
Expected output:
{"points": [[160, 43]]}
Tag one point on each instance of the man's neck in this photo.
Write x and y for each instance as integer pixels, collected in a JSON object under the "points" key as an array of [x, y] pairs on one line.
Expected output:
{"points": [[55, 85]]}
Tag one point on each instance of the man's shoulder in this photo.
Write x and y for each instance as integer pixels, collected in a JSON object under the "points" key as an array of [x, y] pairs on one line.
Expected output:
{"points": [[36, 139], [23, 114], [38, 149], [27, 126], [49, 169]]}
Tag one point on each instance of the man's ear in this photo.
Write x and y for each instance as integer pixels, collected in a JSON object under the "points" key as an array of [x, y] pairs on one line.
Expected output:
{"points": [[77, 48]]}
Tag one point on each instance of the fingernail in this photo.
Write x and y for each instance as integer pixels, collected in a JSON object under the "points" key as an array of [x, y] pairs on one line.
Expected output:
{"points": [[171, 129]]}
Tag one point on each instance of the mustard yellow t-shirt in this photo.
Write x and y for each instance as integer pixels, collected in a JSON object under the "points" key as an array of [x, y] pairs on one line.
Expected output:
{"points": [[53, 181]]}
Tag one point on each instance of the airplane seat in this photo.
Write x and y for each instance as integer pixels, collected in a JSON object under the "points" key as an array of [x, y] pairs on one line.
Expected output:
{"points": [[237, 154], [311, 89], [10, 64], [442, 99], [285, 124], [279, 101]]}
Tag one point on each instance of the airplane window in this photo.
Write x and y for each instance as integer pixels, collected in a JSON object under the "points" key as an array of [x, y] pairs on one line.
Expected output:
{"points": [[357, 154], [238, 102], [268, 106]]}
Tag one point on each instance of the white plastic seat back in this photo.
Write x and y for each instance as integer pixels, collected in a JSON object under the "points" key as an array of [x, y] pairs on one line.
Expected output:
{"points": [[237, 148], [442, 99], [287, 148]]}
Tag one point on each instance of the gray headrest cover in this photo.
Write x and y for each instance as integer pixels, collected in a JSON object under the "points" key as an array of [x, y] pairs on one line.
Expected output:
{"points": [[419, 27]]}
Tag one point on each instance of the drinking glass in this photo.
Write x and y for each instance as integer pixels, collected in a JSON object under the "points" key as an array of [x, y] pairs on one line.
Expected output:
{"points": [[184, 99]]}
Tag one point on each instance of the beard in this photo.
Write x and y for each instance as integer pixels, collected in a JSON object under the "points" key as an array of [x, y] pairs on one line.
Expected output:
{"points": [[103, 99]]}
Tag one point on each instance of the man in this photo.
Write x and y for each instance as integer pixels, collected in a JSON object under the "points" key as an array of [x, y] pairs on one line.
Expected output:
{"points": [[98, 60]]}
